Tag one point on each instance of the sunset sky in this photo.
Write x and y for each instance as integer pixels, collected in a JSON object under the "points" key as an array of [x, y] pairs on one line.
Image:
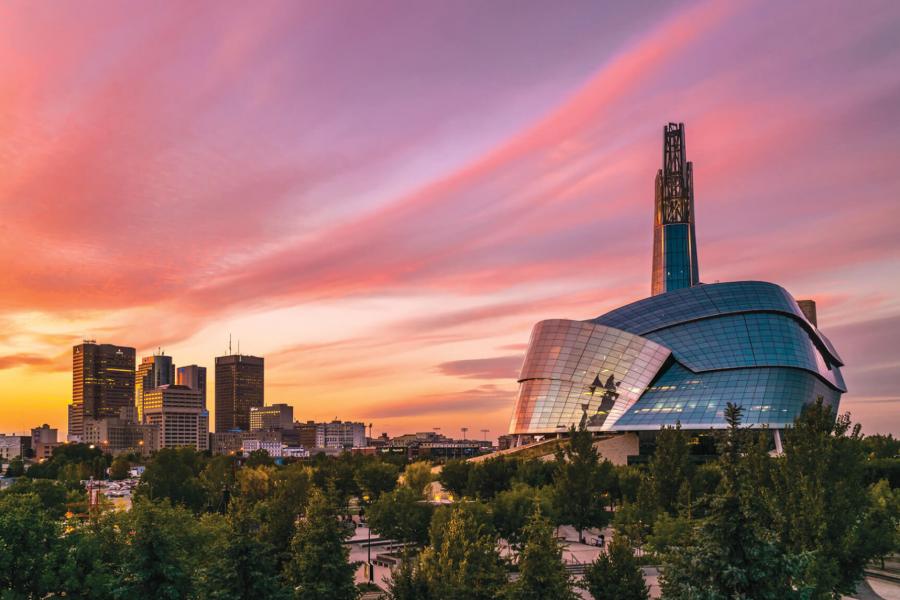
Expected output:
{"points": [[383, 197]]}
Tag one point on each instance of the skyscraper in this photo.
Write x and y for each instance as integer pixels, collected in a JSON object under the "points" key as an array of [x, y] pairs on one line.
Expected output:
{"points": [[153, 372], [102, 383], [674, 238], [239, 385], [194, 377]]}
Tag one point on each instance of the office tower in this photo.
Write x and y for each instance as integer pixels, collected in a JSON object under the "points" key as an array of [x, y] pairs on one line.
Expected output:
{"points": [[102, 383], [194, 377], [674, 238], [276, 416], [239, 386], [179, 413], [153, 372]]}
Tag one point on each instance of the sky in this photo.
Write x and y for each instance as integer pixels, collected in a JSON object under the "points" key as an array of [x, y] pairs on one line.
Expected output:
{"points": [[382, 197]]}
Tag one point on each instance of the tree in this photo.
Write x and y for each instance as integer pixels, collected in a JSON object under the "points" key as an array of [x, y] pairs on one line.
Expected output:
{"points": [[542, 573], [480, 513], [401, 515], [16, 467], [490, 477], [160, 555], [93, 565], [578, 499], [407, 581], [881, 526], [466, 566], [237, 563], [376, 478], [616, 574], [172, 475], [669, 533], [820, 491], [670, 466], [417, 476], [259, 458], [29, 547], [218, 480], [52, 494], [319, 567], [733, 555], [454, 477], [119, 468], [512, 510]]}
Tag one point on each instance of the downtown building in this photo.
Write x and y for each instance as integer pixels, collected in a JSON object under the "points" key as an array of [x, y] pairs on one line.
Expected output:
{"points": [[103, 383], [179, 415], [239, 387], [153, 372], [679, 356]]}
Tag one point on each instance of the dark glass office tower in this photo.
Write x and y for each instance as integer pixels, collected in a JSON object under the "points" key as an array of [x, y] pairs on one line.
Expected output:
{"points": [[239, 385], [194, 377], [102, 383], [674, 239]]}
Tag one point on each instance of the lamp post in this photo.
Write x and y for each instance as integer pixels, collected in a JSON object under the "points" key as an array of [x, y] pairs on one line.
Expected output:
{"points": [[368, 543]]}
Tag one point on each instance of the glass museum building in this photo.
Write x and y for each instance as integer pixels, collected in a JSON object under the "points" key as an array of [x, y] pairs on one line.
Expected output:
{"points": [[680, 355]]}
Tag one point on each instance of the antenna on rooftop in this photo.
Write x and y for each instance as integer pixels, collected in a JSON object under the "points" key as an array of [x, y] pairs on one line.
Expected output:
{"points": [[229, 344]]}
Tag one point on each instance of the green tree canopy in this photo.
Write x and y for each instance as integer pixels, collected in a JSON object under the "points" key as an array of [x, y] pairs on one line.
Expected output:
{"points": [[542, 573], [319, 567], [616, 574]]}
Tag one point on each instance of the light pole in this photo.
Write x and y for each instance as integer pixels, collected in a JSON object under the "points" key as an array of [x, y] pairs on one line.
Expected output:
{"points": [[368, 543]]}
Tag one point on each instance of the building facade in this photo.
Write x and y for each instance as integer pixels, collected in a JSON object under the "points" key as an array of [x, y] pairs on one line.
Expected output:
{"points": [[679, 356], [121, 435], [178, 412], [153, 372], [194, 377], [275, 416], [102, 383], [239, 386], [14, 446]]}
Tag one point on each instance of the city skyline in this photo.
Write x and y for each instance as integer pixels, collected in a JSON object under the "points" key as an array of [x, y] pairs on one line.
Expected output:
{"points": [[383, 214]]}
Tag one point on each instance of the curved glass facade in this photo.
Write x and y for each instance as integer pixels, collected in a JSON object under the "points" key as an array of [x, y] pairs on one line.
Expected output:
{"points": [[678, 357], [575, 370]]}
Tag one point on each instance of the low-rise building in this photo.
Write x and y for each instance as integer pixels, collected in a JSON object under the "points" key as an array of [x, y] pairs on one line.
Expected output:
{"points": [[14, 446], [275, 416], [118, 435]]}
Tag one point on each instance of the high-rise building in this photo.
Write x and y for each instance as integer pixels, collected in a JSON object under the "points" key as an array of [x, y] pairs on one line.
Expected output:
{"points": [[194, 377], [153, 372], [674, 238], [276, 416], [239, 386], [102, 383], [179, 413], [345, 434]]}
